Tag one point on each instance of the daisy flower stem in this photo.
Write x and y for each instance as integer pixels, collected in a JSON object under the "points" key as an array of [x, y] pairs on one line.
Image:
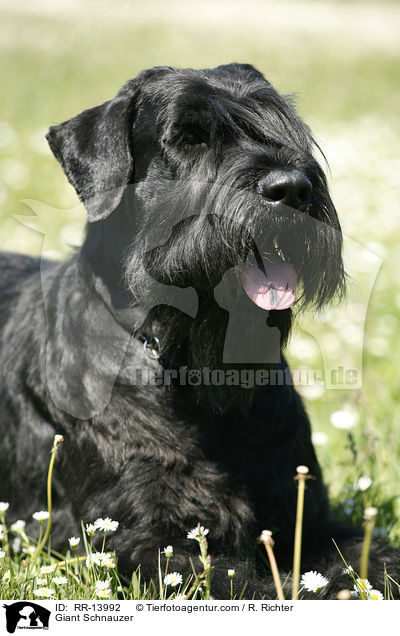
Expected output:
{"points": [[6, 546], [267, 540], [206, 563], [370, 515], [25, 537], [275, 572], [40, 533], [63, 565], [77, 560], [104, 543], [160, 577], [57, 441], [166, 567], [301, 478]]}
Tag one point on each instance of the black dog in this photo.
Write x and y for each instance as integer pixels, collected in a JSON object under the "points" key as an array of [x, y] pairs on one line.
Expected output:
{"points": [[209, 217]]}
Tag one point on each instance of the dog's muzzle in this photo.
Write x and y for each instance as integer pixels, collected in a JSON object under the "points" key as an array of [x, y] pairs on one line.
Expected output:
{"points": [[271, 282]]}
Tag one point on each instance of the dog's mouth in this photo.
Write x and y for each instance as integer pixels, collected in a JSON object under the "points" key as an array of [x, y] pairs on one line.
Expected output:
{"points": [[270, 282]]}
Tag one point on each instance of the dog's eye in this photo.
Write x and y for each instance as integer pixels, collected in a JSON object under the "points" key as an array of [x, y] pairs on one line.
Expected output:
{"points": [[194, 137]]}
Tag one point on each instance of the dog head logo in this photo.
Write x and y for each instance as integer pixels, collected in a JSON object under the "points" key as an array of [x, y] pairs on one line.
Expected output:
{"points": [[26, 615]]}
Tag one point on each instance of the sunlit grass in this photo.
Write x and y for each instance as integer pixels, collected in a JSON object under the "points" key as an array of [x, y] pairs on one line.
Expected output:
{"points": [[30, 569]]}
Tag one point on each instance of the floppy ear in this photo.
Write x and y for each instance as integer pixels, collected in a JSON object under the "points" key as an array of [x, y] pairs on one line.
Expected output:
{"points": [[93, 150]]}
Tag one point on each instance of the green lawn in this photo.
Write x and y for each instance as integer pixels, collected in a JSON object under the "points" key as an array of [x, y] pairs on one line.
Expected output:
{"points": [[341, 59]]}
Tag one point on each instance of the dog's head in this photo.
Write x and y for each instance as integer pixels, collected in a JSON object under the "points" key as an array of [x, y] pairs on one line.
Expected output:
{"points": [[205, 179]]}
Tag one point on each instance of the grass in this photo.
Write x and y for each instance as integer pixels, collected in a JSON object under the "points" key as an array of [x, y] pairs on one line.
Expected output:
{"points": [[30, 569], [341, 59]]}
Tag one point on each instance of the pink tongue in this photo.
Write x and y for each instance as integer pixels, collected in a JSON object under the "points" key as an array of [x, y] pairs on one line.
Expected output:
{"points": [[276, 289]]}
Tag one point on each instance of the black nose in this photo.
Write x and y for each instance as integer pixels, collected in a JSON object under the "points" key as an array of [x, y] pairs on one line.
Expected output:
{"points": [[290, 187]]}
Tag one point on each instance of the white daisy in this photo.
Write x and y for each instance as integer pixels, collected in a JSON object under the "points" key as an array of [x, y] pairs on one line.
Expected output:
{"points": [[100, 558], [47, 569], [44, 592], [362, 586], [319, 438], [2, 554], [74, 542], [231, 573], [311, 391], [17, 526], [40, 581], [375, 595], [6, 576], [4, 506], [197, 532], [29, 550], [60, 580], [313, 581], [343, 419], [168, 551], [173, 579], [16, 545], [40, 516], [103, 593], [364, 483], [106, 525], [90, 529], [102, 585]]}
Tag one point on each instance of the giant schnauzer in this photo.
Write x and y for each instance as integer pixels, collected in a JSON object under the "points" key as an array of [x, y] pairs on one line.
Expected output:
{"points": [[156, 349]]}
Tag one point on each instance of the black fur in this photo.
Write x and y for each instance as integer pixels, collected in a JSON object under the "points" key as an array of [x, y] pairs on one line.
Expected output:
{"points": [[171, 173]]}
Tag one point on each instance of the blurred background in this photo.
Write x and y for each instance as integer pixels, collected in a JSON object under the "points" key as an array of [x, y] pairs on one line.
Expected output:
{"points": [[341, 59]]}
